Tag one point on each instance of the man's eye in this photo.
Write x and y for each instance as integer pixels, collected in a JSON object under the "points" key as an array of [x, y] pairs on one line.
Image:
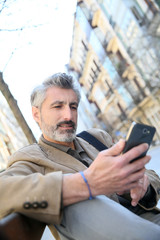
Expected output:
{"points": [[58, 106], [74, 107]]}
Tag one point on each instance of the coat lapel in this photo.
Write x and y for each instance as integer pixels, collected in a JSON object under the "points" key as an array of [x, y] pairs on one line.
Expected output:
{"points": [[61, 157]]}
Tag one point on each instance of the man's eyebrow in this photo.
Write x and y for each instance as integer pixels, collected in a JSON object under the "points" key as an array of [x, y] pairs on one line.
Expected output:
{"points": [[63, 102], [74, 103], [57, 102]]}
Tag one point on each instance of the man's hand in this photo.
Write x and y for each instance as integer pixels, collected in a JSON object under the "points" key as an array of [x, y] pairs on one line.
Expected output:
{"points": [[112, 171], [138, 193]]}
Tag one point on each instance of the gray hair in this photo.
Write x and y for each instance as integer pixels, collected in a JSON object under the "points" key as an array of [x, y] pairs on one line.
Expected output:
{"points": [[61, 80]]}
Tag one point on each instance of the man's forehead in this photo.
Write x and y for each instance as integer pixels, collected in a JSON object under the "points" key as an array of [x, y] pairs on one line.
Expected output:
{"points": [[56, 94]]}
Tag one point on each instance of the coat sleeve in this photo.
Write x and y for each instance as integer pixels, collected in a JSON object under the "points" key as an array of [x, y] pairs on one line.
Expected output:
{"points": [[25, 189], [150, 202]]}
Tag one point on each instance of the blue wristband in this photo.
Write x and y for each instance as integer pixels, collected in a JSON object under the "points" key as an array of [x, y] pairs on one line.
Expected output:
{"points": [[90, 194]]}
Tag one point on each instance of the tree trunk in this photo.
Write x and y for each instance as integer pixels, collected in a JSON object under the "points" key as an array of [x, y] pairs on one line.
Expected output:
{"points": [[16, 111]]}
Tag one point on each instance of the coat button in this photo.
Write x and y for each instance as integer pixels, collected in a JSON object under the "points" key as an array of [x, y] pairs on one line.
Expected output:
{"points": [[27, 205], [44, 204], [35, 205]]}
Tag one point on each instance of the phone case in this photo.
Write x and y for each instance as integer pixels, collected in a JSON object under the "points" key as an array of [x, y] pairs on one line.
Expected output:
{"points": [[139, 133]]}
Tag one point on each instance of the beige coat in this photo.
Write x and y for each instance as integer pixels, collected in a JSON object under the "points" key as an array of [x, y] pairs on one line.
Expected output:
{"points": [[34, 175]]}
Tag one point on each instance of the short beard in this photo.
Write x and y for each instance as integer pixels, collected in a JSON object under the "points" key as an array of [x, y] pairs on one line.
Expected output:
{"points": [[53, 132]]}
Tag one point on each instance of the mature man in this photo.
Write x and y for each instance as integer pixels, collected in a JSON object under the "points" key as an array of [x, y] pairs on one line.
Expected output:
{"points": [[64, 181]]}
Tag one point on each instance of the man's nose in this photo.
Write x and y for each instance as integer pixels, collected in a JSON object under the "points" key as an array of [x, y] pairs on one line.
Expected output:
{"points": [[68, 113]]}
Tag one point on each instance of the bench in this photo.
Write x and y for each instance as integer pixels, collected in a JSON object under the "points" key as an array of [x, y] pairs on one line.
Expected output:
{"points": [[19, 227]]}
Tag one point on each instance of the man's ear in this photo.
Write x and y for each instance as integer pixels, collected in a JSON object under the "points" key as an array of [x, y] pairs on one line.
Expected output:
{"points": [[36, 114]]}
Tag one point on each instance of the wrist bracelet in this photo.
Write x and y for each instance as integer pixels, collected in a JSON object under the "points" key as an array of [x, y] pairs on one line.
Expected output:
{"points": [[85, 180]]}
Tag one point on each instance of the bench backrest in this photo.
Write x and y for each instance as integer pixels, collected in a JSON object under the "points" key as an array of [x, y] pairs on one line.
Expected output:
{"points": [[16, 226]]}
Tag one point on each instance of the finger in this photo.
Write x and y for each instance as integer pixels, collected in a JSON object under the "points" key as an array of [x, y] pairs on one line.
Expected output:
{"points": [[120, 193], [130, 182], [134, 202], [135, 152], [115, 149], [146, 182], [135, 176], [126, 188], [144, 185], [139, 192], [137, 165], [135, 195]]}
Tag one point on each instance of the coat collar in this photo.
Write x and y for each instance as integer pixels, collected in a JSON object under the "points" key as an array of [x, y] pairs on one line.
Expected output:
{"points": [[61, 157]]}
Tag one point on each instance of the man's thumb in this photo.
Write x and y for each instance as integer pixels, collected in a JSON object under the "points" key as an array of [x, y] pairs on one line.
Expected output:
{"points": [[116, 149]]}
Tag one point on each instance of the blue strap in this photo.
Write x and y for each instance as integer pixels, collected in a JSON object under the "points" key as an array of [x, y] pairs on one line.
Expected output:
{"points": [[92, 140], [85, 180]]}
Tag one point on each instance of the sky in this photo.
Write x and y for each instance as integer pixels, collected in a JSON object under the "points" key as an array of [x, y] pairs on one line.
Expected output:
{"points": [[41, 49]]}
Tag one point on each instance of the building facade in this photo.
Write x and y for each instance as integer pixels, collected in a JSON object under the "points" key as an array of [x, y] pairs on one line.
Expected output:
{"points": [[110, 58]]}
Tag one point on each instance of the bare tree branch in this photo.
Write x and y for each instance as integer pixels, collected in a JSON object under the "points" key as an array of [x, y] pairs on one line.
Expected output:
{"points": [[15, 109], [3, 5], [21, 28]]}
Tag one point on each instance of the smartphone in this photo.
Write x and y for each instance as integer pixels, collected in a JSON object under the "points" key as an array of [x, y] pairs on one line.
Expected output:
{"points": [[137, 134]]}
